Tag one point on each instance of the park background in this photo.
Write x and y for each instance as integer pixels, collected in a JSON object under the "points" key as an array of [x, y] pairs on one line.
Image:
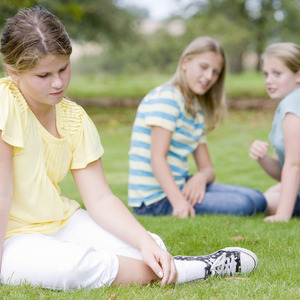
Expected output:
{"points": [[120, 53]]}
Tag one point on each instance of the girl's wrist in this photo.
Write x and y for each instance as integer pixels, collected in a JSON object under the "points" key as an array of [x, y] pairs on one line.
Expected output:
{"points": [[284, 215], [201, 177]]}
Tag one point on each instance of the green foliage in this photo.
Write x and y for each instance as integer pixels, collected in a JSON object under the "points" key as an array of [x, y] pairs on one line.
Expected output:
{"points": [[242, 27], [158, 53], [246, 25], [84, 20]]}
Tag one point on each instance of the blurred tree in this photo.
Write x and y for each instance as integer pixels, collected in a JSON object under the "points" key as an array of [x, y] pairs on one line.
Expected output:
{"points": [[157, 53], [244, 25], [241, 26], [84, 19]]}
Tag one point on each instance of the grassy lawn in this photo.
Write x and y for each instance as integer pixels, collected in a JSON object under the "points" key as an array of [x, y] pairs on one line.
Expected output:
{"points": [[276, 245], [238, 86]]}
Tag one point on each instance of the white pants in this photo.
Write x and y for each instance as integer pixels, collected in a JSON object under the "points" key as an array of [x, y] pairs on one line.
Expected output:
{"points": [[79, 255]]}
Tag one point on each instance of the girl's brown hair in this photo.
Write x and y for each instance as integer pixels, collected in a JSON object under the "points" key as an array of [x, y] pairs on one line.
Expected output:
{"points": [[213, 102], [30, 35]]}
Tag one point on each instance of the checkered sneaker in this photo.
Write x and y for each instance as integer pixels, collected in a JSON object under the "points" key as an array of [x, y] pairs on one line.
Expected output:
{"points": [[226, 262]]}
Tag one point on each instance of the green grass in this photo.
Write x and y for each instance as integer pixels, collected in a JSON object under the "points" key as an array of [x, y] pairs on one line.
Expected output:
{"points": [[276, 245], [245, 85], [114, 87], [239, 86]]}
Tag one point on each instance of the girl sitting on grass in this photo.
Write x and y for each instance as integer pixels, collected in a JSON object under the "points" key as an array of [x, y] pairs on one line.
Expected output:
{"points": [[281, 67], [46, 239], [169, 126]]}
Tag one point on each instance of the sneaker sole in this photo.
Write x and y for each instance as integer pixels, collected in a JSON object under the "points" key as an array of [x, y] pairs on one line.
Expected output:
{"points": [[246, 251]]}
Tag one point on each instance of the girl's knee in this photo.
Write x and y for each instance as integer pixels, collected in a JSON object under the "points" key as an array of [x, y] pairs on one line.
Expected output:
{"points": [[88, 268], [247, 210], [245, 207], [253, 204], [94, 270], [256, 201]]}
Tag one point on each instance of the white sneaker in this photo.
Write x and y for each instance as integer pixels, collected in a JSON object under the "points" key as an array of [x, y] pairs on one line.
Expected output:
{"points": [[227, 261]]}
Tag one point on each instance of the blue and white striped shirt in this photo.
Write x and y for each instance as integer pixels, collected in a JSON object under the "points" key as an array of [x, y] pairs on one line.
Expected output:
{"points": [[164, 107]]}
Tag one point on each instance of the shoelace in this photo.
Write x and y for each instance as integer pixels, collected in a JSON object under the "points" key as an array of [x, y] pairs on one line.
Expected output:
{"points": [[223, 265]]}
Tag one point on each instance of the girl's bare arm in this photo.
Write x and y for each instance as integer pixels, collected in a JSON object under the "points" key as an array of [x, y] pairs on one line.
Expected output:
{"points": [[6, 188]]}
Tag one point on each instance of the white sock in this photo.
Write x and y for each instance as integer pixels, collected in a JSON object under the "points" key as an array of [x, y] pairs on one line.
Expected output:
{"points": [[189, 270]]}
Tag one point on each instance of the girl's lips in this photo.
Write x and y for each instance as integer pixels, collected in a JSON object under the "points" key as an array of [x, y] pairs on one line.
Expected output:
{"points": [[56, 94]]}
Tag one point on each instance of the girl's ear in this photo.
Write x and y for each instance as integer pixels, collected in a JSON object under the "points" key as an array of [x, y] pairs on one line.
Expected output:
{"points": [[14, 75], [298, 77], [184, 63]]}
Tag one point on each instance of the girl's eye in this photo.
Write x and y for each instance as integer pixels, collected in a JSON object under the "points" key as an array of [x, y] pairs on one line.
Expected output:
{"points": [[217, 73], [276, 74], [43, 75], [203, 67], [265, 74], [63, 69]]}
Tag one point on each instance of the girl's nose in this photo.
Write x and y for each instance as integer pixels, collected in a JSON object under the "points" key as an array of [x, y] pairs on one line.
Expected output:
{"points": [[208, 74], [268, 79], [57, 82]]}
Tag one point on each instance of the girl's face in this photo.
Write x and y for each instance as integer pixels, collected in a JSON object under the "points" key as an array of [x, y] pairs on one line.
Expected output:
{"points": [[279, 79], [46, 83], [202, 71]]}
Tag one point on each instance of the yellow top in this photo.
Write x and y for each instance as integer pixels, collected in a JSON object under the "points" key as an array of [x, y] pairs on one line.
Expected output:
{"points": [[41, 161]]}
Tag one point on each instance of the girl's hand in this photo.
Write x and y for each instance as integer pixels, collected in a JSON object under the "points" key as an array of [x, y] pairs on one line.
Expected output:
{"points": [[258, 150], [183, 209], [194, 189], [277, 218], [161, 262]]}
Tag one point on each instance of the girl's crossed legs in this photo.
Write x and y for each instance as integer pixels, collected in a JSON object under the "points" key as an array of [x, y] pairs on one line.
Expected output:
{"points": [[79, 255], [219, 199], [83, 255]]}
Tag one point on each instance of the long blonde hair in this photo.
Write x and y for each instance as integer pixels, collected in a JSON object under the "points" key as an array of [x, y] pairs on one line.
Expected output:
{"points": [[30, 35], [213, 102]]}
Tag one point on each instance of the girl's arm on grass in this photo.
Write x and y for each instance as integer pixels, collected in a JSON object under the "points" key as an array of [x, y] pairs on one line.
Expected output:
{"points": [[110, 213], [259, 152], [194, 189], [160, 144], [290, 177], [6, 188]]}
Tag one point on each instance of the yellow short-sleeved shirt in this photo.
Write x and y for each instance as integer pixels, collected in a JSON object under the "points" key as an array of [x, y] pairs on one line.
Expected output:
{"points": [[41, 161]]}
